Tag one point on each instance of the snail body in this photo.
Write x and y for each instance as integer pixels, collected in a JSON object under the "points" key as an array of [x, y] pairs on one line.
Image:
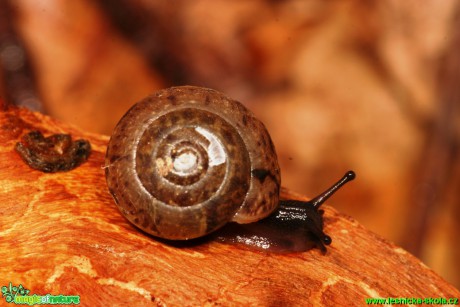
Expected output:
{"points": [[294, 226], [185, 161]]}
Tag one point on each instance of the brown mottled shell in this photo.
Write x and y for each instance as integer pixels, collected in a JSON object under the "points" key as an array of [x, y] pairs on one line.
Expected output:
{"points": [[184, 161]]}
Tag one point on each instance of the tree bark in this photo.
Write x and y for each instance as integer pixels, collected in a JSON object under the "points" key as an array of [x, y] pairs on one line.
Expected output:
{"points": [[61, 233]]}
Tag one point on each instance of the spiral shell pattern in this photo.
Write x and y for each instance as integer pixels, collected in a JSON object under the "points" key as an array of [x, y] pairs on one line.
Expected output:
{"points": [[186, 160]]}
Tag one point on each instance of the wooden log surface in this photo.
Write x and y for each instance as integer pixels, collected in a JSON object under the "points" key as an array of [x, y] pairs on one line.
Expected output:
{"points": [[61, 233]]}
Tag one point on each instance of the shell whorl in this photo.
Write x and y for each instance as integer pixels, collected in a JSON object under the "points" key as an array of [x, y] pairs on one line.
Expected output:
{"points": [[186, 160]]}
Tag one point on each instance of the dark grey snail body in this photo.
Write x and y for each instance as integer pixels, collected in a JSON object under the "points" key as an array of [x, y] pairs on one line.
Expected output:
{"points": [[294, 226], [185, 161]]}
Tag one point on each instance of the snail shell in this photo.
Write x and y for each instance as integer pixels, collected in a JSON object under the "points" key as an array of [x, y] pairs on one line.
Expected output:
{"points": [[186, 160]]}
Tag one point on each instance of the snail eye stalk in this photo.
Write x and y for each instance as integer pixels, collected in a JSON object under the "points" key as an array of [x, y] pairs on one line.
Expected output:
{"points": [[320, 199]]}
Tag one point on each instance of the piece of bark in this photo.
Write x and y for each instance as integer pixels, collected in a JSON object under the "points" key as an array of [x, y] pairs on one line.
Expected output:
{"points": [[61, 233]]}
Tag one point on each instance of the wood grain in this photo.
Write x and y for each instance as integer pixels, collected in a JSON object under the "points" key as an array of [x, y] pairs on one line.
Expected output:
{"points": [[62, 234]]}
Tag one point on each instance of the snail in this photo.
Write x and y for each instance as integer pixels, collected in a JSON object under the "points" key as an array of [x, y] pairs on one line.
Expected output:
{"points": [[185, 161]]}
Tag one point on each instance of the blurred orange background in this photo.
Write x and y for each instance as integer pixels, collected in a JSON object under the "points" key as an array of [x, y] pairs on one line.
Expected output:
{"points": [[368, 86]]}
